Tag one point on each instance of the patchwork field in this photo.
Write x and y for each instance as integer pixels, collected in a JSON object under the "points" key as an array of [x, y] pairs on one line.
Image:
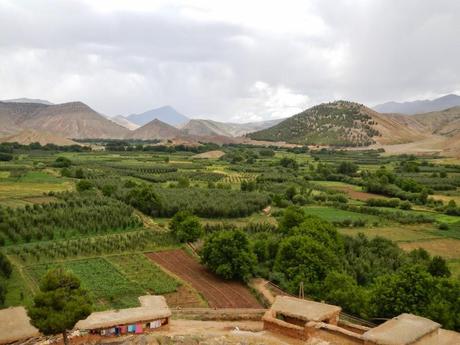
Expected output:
{"points": [[218, 293], [109, 220]]}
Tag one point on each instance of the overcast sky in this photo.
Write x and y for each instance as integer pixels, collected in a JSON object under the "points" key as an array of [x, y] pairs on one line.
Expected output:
{"points": [[228, 60]]}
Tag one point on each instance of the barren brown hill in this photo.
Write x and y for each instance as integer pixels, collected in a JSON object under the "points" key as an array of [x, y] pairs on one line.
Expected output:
{"points": [[199, 127], [70, 120], [11, 115], [445, 122], [73, 120], [29, 136], [155, 129], [123, 121]]}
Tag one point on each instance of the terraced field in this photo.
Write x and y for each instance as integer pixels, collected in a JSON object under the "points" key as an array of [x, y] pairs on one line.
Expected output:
{"points": [[218, 292]]}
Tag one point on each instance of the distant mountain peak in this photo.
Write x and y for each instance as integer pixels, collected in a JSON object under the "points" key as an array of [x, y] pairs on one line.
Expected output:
{"points": [[420, 106], [165, 114]]}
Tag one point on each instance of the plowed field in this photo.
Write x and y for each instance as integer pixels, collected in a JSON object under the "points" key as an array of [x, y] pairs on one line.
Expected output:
{"points": [[218, 292]]}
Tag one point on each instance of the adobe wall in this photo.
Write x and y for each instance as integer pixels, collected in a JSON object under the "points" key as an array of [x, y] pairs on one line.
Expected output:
{"points": [[281, 327], [337, 337]]}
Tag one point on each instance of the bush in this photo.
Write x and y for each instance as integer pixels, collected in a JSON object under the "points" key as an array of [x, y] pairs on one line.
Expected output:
{"points": [[186, 227], [443, 226], [5, 157], [84, 185], [62, 162]]}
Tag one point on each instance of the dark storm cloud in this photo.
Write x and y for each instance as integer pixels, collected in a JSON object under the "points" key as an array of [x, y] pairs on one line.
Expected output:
{"points": [[128, 60]]}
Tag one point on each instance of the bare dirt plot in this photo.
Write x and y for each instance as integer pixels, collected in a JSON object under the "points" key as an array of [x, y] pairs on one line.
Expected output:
{"points": [[358, 195], [218, 292], [448, 248], [353, 192]]}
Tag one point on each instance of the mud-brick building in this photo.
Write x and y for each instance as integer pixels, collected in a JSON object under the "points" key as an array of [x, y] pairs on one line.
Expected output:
{"points": [[306, 320], [153, 314], [404, 329], [290, 315]]}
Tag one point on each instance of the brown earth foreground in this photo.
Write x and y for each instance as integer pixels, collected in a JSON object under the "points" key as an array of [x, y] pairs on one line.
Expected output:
{"points": [[218, 292]]}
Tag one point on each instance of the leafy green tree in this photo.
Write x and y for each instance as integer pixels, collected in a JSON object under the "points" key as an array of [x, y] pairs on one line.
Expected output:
{"points": [[186, 227], [84, 185], [321, 231], [4, 157], [229, 254], [347, 168], [145, 199], [407, 291], [289, 163], [5, 266], [60, 303], [438, 267], [341, 289], [2, 293], [302, 258], [365, 259], [291, 192], [445, 303], [62, 162], [292, 216]]}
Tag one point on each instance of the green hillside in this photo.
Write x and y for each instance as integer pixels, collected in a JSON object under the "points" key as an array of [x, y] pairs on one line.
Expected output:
{"points": [[339, 123]]}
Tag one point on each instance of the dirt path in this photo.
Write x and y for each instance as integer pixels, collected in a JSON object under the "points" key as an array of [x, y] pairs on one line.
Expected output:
{"points": [[218, 292]]}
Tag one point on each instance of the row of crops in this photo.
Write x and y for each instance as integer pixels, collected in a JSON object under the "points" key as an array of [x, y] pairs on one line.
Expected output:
{"points": [[91, 246]]}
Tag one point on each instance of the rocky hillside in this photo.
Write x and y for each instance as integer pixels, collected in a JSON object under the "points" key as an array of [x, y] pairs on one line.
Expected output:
{"points": [[155, 129], [71, 120]]}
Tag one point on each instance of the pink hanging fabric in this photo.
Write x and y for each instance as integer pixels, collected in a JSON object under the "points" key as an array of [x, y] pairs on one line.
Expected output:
{"points": [[139, 328]]}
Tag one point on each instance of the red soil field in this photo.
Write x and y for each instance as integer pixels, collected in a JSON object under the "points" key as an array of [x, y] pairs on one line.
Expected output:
{"points": [[218, 292]]}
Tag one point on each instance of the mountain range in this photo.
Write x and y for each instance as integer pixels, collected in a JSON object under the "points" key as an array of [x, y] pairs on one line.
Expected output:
{"points": [[419, 106], [339, 123]]}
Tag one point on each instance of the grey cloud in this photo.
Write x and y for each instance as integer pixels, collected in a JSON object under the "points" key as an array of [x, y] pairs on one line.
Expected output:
{"points": [[124, 62]]}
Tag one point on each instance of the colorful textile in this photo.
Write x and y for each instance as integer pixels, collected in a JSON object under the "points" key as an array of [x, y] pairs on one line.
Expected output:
{"points": [[155, 324], [131, 328], [123, 329], [139, 329]]}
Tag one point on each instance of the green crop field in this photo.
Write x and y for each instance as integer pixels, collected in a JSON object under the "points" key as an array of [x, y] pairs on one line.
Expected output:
{"points": [[332, 214], [109, 287], [145, 273]]}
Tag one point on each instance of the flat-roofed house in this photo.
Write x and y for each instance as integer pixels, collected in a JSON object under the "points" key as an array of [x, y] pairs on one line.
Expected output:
{"points": [[404, 329], [290, 315], [152, 314]]}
